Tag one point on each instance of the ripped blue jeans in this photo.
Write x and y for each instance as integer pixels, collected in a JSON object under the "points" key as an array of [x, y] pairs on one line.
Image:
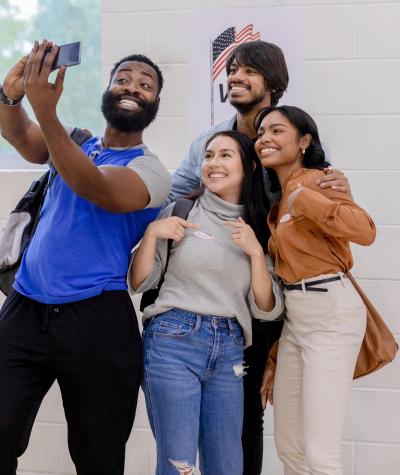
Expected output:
{"points": [[193, 385]]}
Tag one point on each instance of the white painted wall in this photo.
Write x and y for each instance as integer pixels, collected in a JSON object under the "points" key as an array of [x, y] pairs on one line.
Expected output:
{"points": [[352, 77]]}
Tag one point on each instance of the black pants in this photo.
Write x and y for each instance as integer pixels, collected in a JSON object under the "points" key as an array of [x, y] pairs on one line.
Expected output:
{"points": [[264, 335], [93, 349]]}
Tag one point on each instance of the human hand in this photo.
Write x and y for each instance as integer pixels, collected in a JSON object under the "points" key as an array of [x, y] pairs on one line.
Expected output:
{"points": [[170, 228], [336, 180], [13, 85], [243, 236], [267, 387], [43, 95]]}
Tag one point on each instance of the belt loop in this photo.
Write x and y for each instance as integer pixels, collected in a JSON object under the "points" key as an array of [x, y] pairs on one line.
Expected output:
{"points": [[231, 326], [303, 286], [342, 280], [198, 323]]}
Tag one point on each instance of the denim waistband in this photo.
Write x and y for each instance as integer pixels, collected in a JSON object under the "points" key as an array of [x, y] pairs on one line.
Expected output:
{"points": [[192, 317]]}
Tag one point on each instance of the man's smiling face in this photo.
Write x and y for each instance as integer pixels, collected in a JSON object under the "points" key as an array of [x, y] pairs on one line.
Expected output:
{"points": [[246, 87], [131, 102]]}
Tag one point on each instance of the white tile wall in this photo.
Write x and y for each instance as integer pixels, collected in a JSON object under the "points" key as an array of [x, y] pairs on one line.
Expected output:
{"points": [[372, 189], [372, 22], [384, 294], [175, 92], [352, 65], [338, 137], [114, 44], [353, 86], [373, 459], [381, 260], [371, 133], [12, 186], [165, 37], [168, 139], [340, 21], [372, 417]]}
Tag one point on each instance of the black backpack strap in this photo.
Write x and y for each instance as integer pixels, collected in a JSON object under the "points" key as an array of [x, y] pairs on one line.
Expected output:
{"points": [[181, 209], [79, 136]]}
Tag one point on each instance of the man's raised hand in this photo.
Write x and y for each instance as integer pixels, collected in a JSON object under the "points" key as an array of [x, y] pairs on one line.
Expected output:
{"points": [[42, 94]]}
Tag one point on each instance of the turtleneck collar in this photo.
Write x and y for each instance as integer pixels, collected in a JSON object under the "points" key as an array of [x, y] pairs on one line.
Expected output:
{"points": [[218, 206]]}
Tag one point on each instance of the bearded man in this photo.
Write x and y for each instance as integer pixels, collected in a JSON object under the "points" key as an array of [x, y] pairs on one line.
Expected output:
{"points": [[69, 317]]}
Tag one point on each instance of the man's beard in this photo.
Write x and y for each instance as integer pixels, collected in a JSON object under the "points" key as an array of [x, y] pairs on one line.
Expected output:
{"points": [[126, 120], [243, 108]]}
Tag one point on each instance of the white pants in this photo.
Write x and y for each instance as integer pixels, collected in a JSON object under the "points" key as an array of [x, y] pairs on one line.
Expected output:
{"points": [[317, 353]]}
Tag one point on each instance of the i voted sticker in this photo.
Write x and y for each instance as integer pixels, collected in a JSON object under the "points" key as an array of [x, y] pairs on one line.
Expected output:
{"points": [[285, 217], [202, 235]]}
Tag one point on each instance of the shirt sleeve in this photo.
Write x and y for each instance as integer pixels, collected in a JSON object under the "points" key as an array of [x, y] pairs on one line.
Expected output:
{"points": [[187, 177], [335, 213], [160, 260], [155, 176], [278, 311]]}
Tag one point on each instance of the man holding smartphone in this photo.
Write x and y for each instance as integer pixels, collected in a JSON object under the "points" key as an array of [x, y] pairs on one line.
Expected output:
{"points": [[69, 316]]}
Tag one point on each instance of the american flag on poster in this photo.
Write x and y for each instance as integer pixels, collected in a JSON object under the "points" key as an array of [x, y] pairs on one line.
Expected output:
{"points": [[227, 41]]}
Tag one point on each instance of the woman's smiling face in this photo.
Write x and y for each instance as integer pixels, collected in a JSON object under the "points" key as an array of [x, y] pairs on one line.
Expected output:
{"points": [[222, 169], [278, 142]]}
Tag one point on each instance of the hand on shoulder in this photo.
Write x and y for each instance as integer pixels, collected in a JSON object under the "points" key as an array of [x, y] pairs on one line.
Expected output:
{"points": [[335, 179]]}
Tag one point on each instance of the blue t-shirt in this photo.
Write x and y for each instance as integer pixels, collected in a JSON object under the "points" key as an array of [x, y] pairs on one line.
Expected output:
{"points": [[80, 250]]}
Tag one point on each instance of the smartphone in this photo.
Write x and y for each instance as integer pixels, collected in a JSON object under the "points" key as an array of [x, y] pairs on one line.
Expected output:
{"points": [[67, 55]]}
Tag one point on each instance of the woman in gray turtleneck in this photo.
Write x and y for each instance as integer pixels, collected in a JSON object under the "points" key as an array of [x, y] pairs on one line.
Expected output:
{"points": [[217, 279]]}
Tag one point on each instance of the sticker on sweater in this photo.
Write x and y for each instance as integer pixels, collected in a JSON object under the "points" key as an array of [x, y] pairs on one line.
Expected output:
{"points": [[202, 235], [285, 217]]}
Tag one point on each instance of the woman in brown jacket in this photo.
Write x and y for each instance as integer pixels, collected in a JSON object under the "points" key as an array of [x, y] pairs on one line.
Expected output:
{"points": [[311, 229]]}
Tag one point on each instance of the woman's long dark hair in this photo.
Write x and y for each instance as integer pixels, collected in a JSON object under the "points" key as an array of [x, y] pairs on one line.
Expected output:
{"points": [[314, 156], [252, 197]]}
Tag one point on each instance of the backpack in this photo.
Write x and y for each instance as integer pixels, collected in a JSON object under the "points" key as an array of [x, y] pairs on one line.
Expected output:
{"points": [[181, 209], [23, 220]]}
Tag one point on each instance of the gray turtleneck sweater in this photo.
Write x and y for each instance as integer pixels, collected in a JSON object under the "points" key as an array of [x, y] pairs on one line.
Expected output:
{"points": [[207, 273]]}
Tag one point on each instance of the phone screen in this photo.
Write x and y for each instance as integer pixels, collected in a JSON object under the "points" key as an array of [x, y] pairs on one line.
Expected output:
{"points": [[67, 55]]}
